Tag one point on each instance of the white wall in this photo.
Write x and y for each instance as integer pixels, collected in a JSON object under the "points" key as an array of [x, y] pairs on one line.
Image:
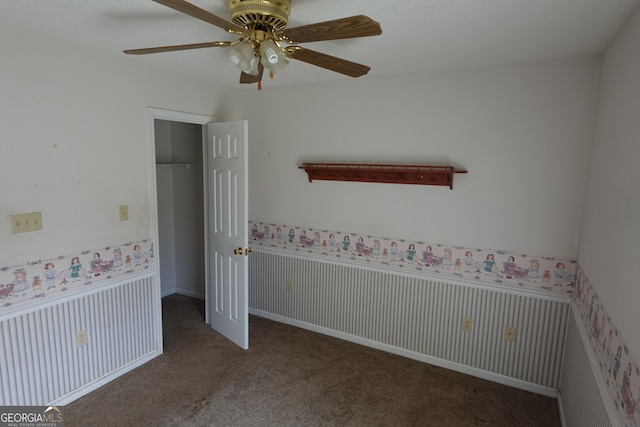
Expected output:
{"points": [[74, 141], [610, 233], [522, 131]]}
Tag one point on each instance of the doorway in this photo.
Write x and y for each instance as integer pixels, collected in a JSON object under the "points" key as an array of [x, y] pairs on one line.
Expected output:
{"points": [[221, 224], [179, 185], [153, 115]]}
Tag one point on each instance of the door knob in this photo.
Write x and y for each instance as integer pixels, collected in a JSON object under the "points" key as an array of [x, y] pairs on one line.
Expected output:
{"points": [[238, 251], [247, 251]]}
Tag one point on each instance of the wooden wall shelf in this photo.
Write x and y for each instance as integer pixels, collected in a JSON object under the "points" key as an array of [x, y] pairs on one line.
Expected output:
{"points": [[393, 174]]}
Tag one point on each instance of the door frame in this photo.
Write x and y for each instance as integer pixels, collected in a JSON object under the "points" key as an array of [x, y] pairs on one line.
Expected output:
{"points": [[183, 117]]}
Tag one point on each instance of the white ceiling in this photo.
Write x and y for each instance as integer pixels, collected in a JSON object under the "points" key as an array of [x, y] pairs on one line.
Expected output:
{"points": [[417, 35]]}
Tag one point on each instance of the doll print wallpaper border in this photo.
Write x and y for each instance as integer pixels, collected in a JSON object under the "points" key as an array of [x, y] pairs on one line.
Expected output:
{"points": [[538, 273], [42, 279], [618, 367]]}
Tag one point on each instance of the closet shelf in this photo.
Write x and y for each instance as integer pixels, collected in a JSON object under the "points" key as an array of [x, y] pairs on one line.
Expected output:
{"points": [[174, 165], [383, 173]]}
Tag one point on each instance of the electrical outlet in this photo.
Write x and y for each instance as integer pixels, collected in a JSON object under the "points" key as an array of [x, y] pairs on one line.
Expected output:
{"points": [[290, 285], [81, 338], [467, 324], [124, 212], [509, 333], [21, 223]]}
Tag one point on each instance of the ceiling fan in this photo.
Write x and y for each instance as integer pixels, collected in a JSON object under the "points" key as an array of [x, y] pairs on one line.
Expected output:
{"points": [[264, 41]]}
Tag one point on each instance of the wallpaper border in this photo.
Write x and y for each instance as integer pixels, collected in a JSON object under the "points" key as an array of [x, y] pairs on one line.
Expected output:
{"points": [[543, 275], [38, 281]]}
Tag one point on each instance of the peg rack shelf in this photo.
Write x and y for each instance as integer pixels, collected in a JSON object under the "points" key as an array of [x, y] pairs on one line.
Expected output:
{"points": [[384, 173]]}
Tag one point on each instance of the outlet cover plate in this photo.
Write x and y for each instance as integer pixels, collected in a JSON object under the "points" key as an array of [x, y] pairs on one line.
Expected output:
{"points": [[467, 324], [509, 333], [81, 338]]}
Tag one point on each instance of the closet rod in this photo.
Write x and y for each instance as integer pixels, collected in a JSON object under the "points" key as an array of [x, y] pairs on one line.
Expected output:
{"points": [[171, 165]]}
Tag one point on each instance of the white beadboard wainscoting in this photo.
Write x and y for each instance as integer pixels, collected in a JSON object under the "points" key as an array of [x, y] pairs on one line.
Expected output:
{"points": [[583, 397], [40, 363], [417, 316]]}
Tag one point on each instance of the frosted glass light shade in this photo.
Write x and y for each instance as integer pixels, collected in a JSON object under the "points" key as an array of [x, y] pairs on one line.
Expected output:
{"points": [[243, 56], [272, 57]]}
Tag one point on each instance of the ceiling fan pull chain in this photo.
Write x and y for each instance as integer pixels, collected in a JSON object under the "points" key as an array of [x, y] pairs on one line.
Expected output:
{"points": [[259, 84]]}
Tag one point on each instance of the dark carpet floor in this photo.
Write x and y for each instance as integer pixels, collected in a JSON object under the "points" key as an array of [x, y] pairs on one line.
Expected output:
{"points": [[293, 377]]}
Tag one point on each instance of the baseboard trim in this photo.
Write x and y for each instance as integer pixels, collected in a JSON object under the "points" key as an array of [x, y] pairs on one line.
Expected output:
{"points": [[563, 423], [96, 384], [167, 292], [189, 293], [478, 373], [182, 291]]}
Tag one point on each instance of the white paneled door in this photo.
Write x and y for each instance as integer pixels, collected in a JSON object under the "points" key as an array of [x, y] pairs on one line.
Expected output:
{"points": [[227, 229]]}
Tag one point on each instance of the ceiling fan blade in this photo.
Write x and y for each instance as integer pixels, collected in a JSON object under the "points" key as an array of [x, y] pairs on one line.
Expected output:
{"points": [[203, 15], [345, 28], [327, 61], [250, 78], [159, 49]]}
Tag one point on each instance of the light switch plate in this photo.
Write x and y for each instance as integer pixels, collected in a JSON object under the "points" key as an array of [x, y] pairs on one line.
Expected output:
{"points": [[124, 212], [21, 223]]}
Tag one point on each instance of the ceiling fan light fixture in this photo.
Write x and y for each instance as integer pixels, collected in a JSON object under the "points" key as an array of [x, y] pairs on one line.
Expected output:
{"points": [[243, 56], [277, 67], [270, 52], [272, 57]]}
